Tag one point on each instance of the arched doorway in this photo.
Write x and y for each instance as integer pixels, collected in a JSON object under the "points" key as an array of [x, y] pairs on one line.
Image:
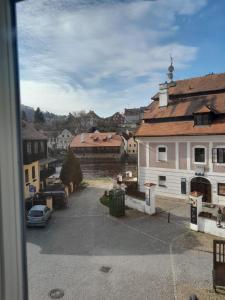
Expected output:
{"points": [[202, 185]]}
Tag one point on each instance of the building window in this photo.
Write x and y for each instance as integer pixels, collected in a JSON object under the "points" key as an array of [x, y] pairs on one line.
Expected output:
{"points": [[33, 172], [183, 186], [35, 147], [162, 153], [26, 176], [162, 181], [134, 145], [221, 189], [29, 151], [218, 155], [202, 119], [199, 155], [42, 147]]}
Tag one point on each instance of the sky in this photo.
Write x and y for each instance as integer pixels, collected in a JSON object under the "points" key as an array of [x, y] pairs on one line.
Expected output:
{"points": [[107, 55]]}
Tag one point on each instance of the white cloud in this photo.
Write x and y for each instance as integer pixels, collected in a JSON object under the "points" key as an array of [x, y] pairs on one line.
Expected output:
{"points": [[76, 51]]}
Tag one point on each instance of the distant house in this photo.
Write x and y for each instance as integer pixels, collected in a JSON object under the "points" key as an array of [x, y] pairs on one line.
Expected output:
{"points": [[98, 145], [52, 139], [133, 115], [132, 146], [63, 140], [181, 140], [34, 149]]}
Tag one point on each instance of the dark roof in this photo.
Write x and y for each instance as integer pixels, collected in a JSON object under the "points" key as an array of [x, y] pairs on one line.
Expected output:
{"points": [[207, 83], [50, 133], [30, 133]]}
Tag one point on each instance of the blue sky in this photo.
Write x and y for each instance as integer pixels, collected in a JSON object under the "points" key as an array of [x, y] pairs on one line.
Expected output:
{"points": [[108, 55]]}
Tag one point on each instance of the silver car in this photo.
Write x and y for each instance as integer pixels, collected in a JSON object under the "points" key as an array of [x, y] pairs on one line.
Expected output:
{"points": [[38, 215]]}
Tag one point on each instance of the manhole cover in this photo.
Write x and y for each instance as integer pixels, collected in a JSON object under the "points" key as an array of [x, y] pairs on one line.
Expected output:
{"points": [[105, 269], [56, 293]]}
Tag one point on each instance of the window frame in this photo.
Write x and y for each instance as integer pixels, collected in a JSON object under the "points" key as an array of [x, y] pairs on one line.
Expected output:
{"points": [[26, 176], [205, 155], [33, 172], [202, 118], [29, 148], [13, 262], [162, 185], [166, 153], [215, 161], [218, 184]]}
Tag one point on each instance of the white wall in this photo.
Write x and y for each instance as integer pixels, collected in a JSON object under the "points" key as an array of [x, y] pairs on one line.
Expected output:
{"points": [[209, 226], [173, 182]]}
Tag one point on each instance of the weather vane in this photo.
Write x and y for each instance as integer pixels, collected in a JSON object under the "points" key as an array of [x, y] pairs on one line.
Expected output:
{"points": [[170, 69]]}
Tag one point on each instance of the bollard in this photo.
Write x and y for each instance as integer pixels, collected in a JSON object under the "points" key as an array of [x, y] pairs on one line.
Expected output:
{"points": [[169, 217]]}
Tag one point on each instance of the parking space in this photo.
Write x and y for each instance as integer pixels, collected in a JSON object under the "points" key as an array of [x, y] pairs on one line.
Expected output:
{"points": [[91, 255]]}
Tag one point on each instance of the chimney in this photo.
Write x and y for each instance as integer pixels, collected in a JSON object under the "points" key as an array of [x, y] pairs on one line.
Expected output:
{"points": [[82, 138], [163, 94]]}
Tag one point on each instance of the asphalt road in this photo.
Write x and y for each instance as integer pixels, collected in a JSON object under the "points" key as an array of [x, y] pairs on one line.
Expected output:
{"points": [[90, 255]]}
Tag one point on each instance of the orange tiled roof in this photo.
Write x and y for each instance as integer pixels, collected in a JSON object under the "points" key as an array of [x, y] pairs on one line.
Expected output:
{"points": [[179, 128], [186, 106], [204, 109], [100, 139], [210, 82]]}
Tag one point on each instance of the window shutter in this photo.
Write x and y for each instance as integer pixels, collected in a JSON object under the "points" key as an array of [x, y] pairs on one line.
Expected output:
{"points": [[214, 155]]}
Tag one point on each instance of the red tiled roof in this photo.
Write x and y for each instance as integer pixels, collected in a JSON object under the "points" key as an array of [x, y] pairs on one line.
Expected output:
{"points": [[210, 82], [100, 139], [186, 106], [179, 128]]}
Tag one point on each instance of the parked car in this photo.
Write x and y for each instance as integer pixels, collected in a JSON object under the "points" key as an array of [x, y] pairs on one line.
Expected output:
{"points": [[38, 215]]}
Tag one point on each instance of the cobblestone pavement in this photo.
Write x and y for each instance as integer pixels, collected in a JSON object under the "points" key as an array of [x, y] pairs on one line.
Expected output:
{"points": [[91, 255]]}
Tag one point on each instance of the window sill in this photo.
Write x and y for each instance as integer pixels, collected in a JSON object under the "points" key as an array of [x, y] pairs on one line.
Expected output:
{"points": [[199, 163]]}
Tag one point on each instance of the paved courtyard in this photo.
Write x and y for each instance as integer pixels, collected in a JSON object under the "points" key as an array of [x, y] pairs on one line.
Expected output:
{"points": [[144, 257]]}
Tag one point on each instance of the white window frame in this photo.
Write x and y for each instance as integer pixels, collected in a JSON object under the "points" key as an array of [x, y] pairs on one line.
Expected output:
{"points": [[13, 263], [193, 155], [29, 148], [166, 153], [218, 147], [162, 185]]}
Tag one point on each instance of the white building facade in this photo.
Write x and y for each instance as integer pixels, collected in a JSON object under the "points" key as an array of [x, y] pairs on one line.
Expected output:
{"points": [[64, 139], [181, 141], [187, 163]]}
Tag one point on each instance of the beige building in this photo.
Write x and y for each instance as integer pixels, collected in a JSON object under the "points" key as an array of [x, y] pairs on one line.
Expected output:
{"points": [[31, 178], [132, 146]]}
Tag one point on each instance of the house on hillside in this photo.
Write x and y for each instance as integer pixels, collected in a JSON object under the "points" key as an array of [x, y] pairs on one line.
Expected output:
{"points": [[133, 116], [64, 139], [52, 139], [98, 146], [181, 141], [132, 146]]}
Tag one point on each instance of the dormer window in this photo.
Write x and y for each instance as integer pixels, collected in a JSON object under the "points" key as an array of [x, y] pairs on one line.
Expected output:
{"points": [[202, 119]]}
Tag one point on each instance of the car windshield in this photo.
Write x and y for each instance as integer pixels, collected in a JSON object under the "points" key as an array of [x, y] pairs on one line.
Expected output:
{"points": [[36, 213]]}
